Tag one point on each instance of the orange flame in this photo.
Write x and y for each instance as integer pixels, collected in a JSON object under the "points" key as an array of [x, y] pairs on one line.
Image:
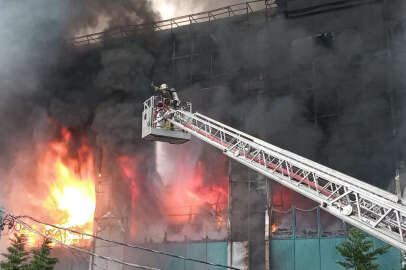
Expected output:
{"points": [[186, 199], [129, 170], [70, 198]]}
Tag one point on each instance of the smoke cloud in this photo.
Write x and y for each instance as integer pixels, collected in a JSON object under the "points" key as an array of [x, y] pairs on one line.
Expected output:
{"points": [[177, 8], [43, 81], [99, 92], [96, 93]]}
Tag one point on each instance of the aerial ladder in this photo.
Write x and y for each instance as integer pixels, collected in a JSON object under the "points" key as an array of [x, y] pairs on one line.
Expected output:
{"points": [[373, 210]]}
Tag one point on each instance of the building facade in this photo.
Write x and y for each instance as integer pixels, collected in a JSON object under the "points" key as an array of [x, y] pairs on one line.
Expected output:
{"points": [[322, 78]]}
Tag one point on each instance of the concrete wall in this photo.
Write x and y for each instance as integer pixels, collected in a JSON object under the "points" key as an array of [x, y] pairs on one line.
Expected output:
{"points": [[247, 212]]}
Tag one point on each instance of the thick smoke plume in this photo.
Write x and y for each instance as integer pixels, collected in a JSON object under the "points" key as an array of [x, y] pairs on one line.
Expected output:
{"points": [[98, 92], [177, 8], [95, 16], [36, 91]]}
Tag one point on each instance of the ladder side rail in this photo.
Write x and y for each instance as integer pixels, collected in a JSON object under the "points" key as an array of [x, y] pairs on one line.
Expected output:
{"points": [[382, 202], [343, 177], [362, 191], [297, 163], [383, 212]]}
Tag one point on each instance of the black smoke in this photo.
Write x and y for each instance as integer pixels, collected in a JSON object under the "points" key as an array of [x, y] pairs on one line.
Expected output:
{"points": [[322, 90], [44, 79]]}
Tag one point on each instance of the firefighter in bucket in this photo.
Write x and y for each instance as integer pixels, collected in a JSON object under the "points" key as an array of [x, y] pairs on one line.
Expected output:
{"points": [[169, 98]]}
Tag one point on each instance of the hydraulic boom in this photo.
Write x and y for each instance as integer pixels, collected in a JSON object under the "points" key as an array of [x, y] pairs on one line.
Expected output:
{"points": [[366, 207]]}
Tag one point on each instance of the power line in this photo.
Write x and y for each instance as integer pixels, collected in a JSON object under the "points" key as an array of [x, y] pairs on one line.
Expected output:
{"points": [[137, 266], [129, 245], [86, 259]]}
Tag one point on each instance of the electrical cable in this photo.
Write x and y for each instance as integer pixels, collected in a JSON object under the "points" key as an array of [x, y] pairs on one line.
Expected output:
{"points": [[290, 210], [30, 228], [129, 245], [86, 259], [307, 210]]}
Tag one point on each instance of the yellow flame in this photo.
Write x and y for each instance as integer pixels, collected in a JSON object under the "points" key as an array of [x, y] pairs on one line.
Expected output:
{"points": [[66, 193], [73, 200], [72, 195]]}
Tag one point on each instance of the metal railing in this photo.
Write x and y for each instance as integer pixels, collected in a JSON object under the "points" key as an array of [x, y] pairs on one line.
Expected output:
{"points": [[245, 8]]}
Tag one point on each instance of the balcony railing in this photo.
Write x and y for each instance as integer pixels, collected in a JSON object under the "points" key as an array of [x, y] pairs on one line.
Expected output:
{"points": [[245, 8]]}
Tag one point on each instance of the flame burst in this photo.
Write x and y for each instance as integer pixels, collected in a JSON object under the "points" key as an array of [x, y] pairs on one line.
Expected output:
{"points": [[70, 198], [187, 199]]}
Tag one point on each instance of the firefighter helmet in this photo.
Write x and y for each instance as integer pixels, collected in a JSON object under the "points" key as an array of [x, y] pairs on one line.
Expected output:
{"points": [[163, 86]]}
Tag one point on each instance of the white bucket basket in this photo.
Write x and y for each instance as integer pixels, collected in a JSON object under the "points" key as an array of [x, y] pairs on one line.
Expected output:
{"points": [[152, 131]]}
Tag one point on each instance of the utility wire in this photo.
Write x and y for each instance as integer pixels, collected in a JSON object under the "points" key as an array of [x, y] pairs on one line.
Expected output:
{"points": [[78, 254], [22, 223], [129, 245]]}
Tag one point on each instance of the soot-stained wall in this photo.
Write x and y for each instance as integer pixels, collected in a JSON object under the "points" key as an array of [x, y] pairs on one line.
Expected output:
{"points": [[328, 86], [320, 85]]}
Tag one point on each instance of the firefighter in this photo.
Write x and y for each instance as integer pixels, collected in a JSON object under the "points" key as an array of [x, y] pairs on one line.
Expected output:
{"points": [[169, 96], [163, 92], [166, 97]]}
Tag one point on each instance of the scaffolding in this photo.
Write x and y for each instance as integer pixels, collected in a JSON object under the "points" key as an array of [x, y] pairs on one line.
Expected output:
{"points": [[122, 32]]}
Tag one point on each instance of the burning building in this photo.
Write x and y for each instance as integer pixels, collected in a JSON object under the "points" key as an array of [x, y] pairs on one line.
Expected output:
{"points": [[325, 77]]}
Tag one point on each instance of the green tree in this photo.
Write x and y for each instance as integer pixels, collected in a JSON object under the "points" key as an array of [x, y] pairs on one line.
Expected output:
{"points": [[358, 251], [41, 259], [17, 255]]}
